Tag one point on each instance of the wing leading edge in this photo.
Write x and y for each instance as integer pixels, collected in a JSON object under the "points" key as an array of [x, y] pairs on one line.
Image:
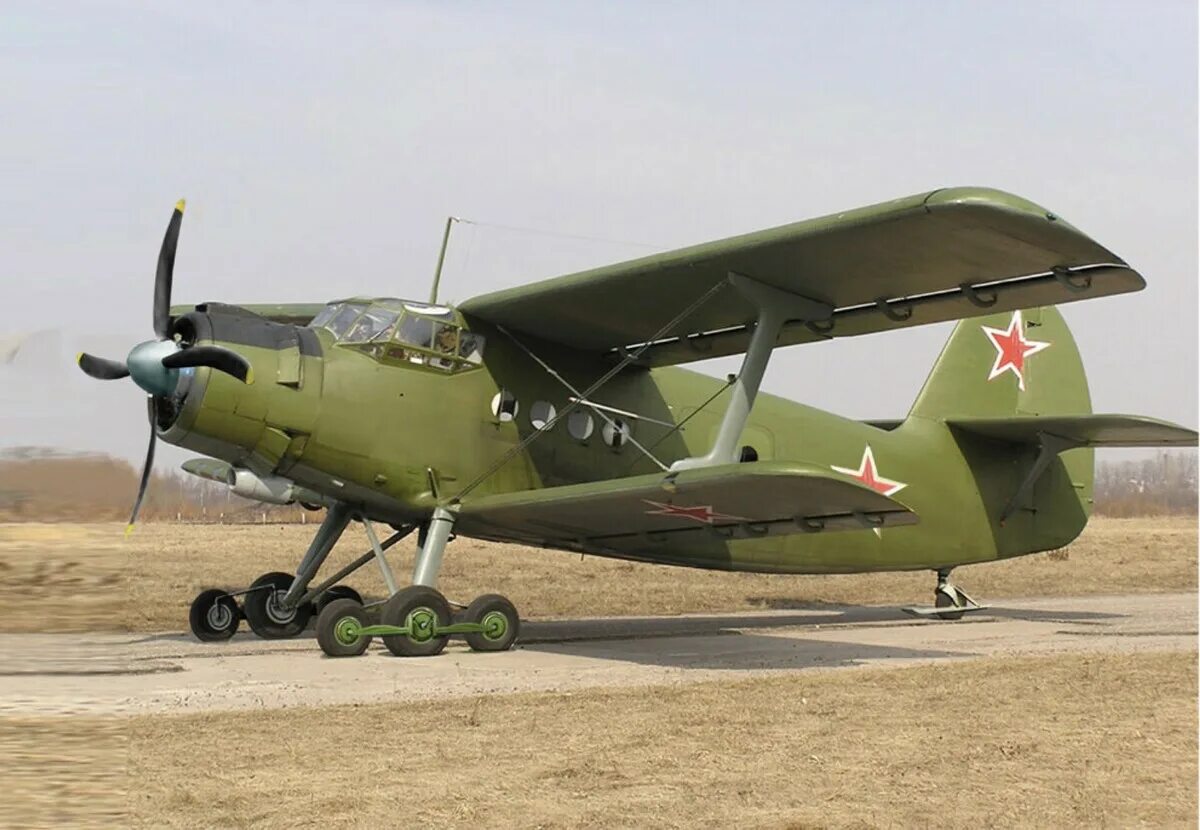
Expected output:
{"points": [[944, 255], [689, 517]]}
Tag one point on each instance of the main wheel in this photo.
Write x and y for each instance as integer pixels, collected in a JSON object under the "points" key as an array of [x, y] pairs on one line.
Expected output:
{"points": [[500, 623], [214, 616], [947, 598], [422, 611], [335, 593], [263, 610], [337, 628]]}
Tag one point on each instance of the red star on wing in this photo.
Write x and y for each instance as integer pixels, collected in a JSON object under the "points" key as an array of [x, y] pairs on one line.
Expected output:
{"points": [[869, 475], [701, 513], [1011, 349]]}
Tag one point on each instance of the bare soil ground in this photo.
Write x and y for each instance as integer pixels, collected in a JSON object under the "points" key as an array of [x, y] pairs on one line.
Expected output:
{"points": [[1066, 741], [91, 578]]}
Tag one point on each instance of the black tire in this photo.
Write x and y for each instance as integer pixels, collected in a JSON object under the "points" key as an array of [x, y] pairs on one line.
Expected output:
{"points": [[214, 616], [943, 599], [266, 619], [335, 593], [500, 617], [335, 629], [424, 608]]}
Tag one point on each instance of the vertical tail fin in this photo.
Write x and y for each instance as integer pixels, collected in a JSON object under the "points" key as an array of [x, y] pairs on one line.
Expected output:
{"points": [[1015, 363], [1012, 366]]}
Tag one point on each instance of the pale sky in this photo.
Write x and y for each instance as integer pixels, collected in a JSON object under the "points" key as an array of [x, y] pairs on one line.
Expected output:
{"points": [[321, 147]]}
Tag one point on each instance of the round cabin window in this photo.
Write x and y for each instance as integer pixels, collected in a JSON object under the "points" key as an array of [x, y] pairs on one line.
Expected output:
{"points": [[505, 406], [616, 433], [747, 454], [580, 425], [541, 414]]}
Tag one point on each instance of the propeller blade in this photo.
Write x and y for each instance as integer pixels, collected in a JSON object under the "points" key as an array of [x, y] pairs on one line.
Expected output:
{"points": [[165, 274], [215, 357], [141, 494], [101, 368]]}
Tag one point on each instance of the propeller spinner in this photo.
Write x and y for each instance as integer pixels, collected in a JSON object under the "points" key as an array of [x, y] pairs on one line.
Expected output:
{"points": [[158, 365]]}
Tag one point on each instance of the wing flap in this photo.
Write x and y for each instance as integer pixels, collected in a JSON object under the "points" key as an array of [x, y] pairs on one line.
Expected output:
{"points": [[887, 266], [694, 513], [1081, 430]]}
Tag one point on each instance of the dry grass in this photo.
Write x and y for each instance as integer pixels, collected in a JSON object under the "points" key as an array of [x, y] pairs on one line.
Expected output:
{"points": [[93, 578], [1079, 741]]}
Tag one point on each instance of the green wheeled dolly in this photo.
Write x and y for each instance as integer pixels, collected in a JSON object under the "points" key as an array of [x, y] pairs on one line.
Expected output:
{"points": [[417, 621]]}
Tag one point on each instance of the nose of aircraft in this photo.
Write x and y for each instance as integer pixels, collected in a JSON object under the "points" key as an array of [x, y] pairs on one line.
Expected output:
{"points": [[147, 370]]}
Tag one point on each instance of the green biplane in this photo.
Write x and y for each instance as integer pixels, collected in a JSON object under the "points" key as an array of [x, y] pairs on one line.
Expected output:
{"points": [[555, 414]]}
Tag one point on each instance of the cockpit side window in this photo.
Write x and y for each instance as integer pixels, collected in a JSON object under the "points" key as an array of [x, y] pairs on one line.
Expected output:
{"points": [[376, 323], [341, 321], [470, 347], [324, 316], [416, 331]]}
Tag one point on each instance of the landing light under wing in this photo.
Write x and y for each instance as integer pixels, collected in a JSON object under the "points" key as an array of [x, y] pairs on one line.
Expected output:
{"points": [[688, 518], [944, 255]]}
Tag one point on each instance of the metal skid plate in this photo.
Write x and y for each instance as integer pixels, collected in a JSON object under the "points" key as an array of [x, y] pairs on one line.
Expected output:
{"points": [[929, 611]]}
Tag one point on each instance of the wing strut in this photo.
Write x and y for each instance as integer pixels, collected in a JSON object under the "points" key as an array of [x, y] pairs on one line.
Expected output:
{"points": [[775, 307]]}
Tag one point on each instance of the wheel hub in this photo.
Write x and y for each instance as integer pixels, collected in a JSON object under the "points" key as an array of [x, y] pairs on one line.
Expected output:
{"points": [[219, 616], [275, 610], [346, 631], [495, 625], [421, 624]]}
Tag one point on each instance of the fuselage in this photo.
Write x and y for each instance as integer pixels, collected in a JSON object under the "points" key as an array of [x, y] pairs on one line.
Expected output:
{"points": [[396, 435]]}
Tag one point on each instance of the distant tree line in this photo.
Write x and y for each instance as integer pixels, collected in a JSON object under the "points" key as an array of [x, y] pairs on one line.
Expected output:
{"points": [[40, 484], [1163, 484]]}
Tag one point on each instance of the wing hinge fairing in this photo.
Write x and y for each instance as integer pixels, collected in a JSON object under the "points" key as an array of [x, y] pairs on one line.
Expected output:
{"points": [[883, 313]]}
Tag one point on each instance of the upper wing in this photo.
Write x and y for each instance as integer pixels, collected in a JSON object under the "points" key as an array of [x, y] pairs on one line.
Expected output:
{"points": [[945, 255], [1081, 430], [688, 518], [296, 314]]}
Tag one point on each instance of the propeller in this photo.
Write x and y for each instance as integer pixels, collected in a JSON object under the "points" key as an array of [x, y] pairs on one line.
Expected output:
{"points": [[146, 466], [158, 366]]}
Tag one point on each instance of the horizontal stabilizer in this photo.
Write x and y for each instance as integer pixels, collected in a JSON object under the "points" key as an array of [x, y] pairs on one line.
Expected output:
{"points": [[1080, 430], [684, 517]]}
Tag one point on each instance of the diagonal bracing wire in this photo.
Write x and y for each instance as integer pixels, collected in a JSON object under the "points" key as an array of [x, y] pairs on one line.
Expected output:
{"points": [[579, 398], [591, 390]]}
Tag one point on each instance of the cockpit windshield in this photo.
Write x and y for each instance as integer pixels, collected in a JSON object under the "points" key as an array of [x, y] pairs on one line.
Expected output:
{"points": [[397, 331]]}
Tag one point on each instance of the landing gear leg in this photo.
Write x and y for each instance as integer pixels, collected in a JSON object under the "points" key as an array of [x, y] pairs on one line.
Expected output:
{"points": [[272, 605], [420, 609]]}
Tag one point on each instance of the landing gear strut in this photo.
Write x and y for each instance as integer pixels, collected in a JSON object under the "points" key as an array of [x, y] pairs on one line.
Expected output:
{"points": [[950, 602]]}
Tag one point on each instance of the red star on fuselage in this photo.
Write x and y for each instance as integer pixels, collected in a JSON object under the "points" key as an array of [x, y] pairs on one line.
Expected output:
{"points": [[701, 513], [1011, 349], [868, 474]]}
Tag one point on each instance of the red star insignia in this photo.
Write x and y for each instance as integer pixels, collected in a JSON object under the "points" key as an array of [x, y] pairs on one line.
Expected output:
{"points": [[1011, 349], [869, 475], [701, 513]]}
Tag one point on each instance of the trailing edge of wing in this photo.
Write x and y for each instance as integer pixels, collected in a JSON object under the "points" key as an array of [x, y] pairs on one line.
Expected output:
{"points": [[943, 255], [1081, 430], [688, 516]]}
